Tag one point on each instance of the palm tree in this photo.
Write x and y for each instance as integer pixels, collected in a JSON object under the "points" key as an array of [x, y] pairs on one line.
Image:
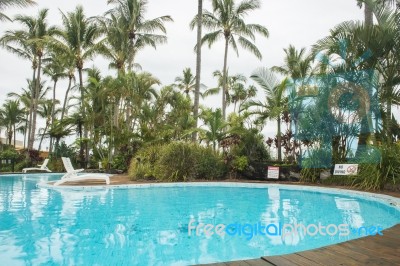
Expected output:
{"points": [[215, 125], [31, 43], [187, 82], [47, 111], [297, 64], [368, 8], [198, 67], [39, 40], [25, 99], [116, 47], [140, 31], [78, 39], [57, 131], [227, 21], [12, 115], [298, 68], [232, 82], [240, 94], [381, 40], [275, 101], [11, 3], [56, 70]]}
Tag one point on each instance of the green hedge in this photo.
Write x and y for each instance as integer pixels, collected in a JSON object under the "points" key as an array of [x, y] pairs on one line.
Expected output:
{"points": [[177, 161]]}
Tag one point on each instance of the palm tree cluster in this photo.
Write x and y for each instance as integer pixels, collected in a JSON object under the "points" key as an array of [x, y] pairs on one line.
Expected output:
{"points": [[113, 113], [109, 112], [343, 90]]}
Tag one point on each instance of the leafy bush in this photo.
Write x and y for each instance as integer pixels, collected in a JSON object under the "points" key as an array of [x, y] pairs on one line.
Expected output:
{"points": [[378, 167], [142, 166], [240, 163], [209, 165], [252, 145], [56, 165], [177, 161]]}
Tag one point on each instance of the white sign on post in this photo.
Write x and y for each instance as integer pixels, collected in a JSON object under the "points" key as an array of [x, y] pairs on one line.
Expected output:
{"points": [[345, 169], [273, 172]]}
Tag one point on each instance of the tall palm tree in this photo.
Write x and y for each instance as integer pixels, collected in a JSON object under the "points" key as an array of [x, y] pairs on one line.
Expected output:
{"points": [[227, 21], [42, 32], [275, 101], [56, 70], [140, 31], [78, 39], [31, 43], [198, 66], [298, 68], [11, 3], [116, 47], [368, 8]]}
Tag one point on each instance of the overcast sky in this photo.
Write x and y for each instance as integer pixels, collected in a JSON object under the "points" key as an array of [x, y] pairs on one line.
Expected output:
{"points": [[300, 23]]}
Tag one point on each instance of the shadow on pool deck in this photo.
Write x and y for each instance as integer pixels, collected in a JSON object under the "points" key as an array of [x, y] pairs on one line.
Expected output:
{"points": [[371, 250]]}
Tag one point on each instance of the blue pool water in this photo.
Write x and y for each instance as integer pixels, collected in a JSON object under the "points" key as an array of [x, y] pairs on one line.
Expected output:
{"points": [[149, 226]]}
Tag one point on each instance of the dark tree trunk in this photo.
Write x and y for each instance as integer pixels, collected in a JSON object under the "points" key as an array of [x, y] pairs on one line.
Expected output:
{"points": [[198, 67], [35, 105], [224, 79], [84, 154]]}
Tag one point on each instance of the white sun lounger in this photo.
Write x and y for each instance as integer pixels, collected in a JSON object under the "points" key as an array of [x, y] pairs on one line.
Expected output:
{"points": [[42, 167], [71, 174]]}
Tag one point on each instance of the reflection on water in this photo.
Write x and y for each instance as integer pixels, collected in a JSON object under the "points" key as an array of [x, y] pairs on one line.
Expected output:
{"points": [[150, 226]]}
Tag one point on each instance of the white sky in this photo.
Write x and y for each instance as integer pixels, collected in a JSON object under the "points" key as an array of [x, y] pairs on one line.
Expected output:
{"points": [[300, 23]]}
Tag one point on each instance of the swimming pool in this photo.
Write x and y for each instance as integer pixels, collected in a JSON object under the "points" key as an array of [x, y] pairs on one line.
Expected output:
{"points": [[149, 225]]}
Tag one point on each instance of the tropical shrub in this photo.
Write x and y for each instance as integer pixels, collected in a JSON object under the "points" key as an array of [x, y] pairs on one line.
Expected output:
{"points": [[142, 165], [378, 167], [316, 161], [177, 161]]}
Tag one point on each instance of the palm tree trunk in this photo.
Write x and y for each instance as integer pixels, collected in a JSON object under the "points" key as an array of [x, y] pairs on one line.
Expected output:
{"points": [[26, 128], [66, 98], [41, 139], [224, 77], [15, 135], [84, 156], [52, 113], [279, 146], [389, 119], [32, 100], [198, 67], [368, 15], [35, 105]]}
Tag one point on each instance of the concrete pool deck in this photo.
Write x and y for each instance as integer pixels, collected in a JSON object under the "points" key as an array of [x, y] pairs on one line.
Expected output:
{"points": [[117, 180]]}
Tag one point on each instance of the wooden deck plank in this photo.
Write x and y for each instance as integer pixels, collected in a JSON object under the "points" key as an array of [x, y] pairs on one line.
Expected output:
{"points": [[281, 260], [371, 250], [300, 260]]}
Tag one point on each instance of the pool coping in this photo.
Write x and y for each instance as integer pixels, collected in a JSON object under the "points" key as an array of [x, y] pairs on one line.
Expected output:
{"points": [[385, 199]]}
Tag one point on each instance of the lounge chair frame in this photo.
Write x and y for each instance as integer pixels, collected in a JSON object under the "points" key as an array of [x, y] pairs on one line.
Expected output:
{"points": [[71, 174], [43, 167]]}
